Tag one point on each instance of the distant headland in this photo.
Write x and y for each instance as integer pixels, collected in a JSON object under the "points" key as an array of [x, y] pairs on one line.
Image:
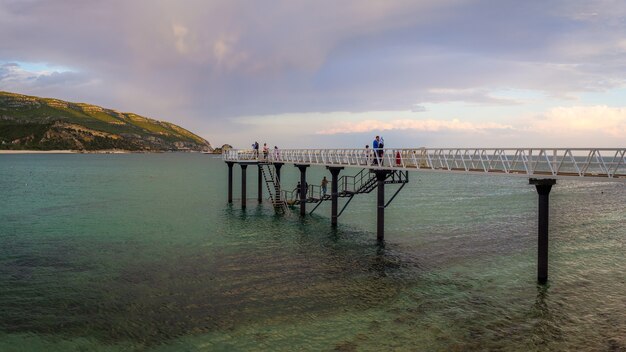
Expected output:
{"points": [[45, 124]]}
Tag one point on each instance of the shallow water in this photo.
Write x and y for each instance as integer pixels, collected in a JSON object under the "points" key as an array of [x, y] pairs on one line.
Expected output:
{"points": [[141, 252]]}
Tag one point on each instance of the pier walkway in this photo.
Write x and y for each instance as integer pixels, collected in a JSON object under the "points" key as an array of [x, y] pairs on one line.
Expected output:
{"points": [[557, 163], [542, 166]]}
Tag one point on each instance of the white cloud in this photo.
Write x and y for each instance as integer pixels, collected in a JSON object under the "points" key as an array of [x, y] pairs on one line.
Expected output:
{"points": [[584, 126], [417, 125], [581, 121]]}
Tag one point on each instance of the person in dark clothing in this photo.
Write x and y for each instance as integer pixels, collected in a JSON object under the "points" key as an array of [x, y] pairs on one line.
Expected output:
{"points": [[255, 146], [381, 151], [299, 188], [324, 185]]}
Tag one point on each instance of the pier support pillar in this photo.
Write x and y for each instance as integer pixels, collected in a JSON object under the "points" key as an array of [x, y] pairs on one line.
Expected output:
{"points": [[543, 189], [303, 188], [243, 185], [277, 167], [334, 193], [381, 176], [230, 181], [260, 184]]}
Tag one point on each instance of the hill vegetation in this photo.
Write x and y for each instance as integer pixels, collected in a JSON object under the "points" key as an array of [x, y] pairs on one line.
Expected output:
{"points": [[33, 123]]}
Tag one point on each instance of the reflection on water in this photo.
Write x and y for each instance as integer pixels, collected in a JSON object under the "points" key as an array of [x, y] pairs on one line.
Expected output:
{"points": [[142, 253], [545, 321]]}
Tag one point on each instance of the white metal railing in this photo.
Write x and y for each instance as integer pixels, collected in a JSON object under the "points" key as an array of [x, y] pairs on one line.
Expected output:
{"points": [[588, 163]]}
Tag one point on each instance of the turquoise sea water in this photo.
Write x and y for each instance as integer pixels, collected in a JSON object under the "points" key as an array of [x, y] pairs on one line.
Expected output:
{"points": [[140, 252]]}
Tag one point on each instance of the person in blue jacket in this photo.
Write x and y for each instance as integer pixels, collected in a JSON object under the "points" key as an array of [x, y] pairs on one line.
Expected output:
{"points": [[375, 146]]}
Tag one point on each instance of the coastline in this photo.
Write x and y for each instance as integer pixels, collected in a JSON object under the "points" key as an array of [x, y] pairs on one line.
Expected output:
{"points": [[38, 151], [65, 151]]}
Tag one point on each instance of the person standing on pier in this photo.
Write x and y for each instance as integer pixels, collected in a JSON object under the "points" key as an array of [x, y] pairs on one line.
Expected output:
{"points": [[381, 152], [276, 153], [255, 146], [375, 148], [265, 150], [324, 185]]}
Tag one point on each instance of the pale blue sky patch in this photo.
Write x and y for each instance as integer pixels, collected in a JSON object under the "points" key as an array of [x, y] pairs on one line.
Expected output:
{"points": [[522, 96], [42, 67], [40, 78], [614, 97]]}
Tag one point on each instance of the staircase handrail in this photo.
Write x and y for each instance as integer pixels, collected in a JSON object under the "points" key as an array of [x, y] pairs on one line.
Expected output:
{"points": [[314, 192], [278, 202]]}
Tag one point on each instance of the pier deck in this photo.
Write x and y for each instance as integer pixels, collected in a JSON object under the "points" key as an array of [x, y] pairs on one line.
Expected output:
{"points": [[598, 164]]}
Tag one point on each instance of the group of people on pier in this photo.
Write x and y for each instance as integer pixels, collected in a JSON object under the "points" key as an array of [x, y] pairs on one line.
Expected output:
{"points": [[373, 156], [266, 150]]}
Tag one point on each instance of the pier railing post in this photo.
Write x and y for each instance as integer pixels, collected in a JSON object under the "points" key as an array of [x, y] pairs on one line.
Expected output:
{"points": [[334, 193], [230, 181], [543, 189], [260, 184], [381, 176], [243, 185], [303, 188]]}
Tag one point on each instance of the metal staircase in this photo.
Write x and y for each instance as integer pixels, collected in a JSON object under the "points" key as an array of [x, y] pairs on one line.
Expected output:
{"points": [[273, 187], [348, 186]]}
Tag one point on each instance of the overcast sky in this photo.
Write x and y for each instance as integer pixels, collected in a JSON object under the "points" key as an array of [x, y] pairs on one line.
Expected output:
{"points": [[334, 73]]}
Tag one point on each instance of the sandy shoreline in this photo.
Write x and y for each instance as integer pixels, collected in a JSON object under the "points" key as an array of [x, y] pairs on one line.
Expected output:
{"points": [[62, 152]]}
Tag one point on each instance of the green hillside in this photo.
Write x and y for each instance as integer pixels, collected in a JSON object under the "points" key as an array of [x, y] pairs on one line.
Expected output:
{"points": [[34, 123]]}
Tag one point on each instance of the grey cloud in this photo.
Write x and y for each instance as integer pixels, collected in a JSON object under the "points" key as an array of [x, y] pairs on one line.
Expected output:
{"points": [[219, 59], [60, 78], [12, 73]]}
